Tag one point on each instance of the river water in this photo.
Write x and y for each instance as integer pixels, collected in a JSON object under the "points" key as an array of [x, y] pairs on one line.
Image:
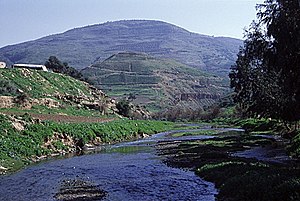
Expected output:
{"points": [[126, 171]]}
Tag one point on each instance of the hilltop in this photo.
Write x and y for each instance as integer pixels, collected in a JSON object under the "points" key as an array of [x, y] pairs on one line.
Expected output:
{"points": [[81, 47], [154, 82]]}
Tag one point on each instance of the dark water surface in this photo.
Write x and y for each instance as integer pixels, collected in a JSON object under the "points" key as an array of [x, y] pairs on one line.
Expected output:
{"points": [[126, 171]]}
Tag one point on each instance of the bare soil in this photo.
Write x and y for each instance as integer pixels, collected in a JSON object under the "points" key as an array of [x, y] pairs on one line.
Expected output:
{"points": [[64, 118]]}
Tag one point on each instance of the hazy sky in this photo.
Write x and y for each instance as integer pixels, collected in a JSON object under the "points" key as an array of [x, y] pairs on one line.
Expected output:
{"points": [[23, 20]]}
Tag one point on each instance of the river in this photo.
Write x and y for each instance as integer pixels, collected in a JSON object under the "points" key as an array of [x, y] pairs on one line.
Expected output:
{"points": [[126, 171]]}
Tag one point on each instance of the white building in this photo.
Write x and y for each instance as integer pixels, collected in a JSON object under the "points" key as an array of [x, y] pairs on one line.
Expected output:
{"points": [[30, 66]]}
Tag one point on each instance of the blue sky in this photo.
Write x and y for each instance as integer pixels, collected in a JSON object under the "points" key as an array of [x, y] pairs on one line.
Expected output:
{"points": [[23, 20]]}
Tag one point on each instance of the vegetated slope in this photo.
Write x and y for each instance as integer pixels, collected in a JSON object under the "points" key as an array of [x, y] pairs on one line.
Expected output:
{"points": [[155, 83], [77, 106], [50, 93], [81, 47]]}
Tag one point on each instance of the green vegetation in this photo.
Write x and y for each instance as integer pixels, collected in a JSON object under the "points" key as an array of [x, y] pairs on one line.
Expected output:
{"points": [[241, 178], [24, 139], [235, 177], [55, 65], [259, 125], [251, 181], [266, 75], [267, 72], [202, 132], [156, 83], [40, 84], [123, 108], [7, 88], [264, 87], [51, 93], [19, 147], [65, 110]]}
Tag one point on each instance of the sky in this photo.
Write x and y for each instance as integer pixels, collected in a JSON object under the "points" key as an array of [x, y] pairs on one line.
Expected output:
{"points": [[24, 20]]}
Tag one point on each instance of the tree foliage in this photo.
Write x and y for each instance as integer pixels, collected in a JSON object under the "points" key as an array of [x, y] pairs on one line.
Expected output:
{"points": [[54, 64], [266, 76]]}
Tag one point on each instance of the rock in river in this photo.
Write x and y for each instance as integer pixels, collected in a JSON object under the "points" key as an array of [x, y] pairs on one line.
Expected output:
{"points": [[79, 190]]}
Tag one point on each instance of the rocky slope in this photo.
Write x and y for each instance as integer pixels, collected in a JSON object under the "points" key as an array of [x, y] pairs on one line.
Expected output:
{"points": [[48, 93], [53, 96], [81, 47]]}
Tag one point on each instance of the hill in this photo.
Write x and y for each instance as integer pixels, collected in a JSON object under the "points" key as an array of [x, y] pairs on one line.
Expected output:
{"points": [[154, 82], [46, 94], [81, 47], [73, 110]]}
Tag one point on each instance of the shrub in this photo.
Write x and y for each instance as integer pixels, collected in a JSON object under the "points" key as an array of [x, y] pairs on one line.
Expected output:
{"points": [[7, 88], [124, 108]]}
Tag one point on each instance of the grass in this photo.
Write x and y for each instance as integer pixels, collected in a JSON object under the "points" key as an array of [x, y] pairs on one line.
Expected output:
{"points": [[40, 84], [259, 125], [66, 110], [252, 181], [18, 148], [202, 132]]}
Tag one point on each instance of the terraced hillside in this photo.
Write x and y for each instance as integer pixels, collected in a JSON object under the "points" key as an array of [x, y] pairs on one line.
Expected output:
{"points": [[81, 47], [155, 83]]}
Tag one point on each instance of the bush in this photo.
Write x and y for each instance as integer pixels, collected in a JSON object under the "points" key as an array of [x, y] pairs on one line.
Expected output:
{"points": [[258, 124], [124, 108], [21, 99], [7, 88]]}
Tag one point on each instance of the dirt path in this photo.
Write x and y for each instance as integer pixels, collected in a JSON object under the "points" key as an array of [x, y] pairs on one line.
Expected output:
{"points": [[64, 118]]}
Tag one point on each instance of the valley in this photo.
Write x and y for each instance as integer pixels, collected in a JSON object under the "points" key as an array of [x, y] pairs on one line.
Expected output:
{"points": [[143, 109]]}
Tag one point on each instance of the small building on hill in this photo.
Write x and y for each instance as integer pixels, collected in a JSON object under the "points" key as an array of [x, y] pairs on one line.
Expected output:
{"points": [[31, 66], [2, 64]]}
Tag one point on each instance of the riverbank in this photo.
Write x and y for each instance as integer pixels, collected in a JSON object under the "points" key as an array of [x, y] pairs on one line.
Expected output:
{"points": [[237, 176], [239, 163], [25, 140]]}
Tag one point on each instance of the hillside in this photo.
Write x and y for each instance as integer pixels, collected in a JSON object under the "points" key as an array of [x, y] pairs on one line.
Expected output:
{"points": [[155, 83], [81, 47], [39, 92], [45, 114]]}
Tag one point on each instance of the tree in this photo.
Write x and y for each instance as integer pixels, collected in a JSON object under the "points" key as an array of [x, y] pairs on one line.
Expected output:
{"points": [[54, 64], [266, 76]]}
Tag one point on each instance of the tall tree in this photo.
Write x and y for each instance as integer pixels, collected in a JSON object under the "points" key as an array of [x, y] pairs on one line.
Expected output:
{"points": [[266, 76]]}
